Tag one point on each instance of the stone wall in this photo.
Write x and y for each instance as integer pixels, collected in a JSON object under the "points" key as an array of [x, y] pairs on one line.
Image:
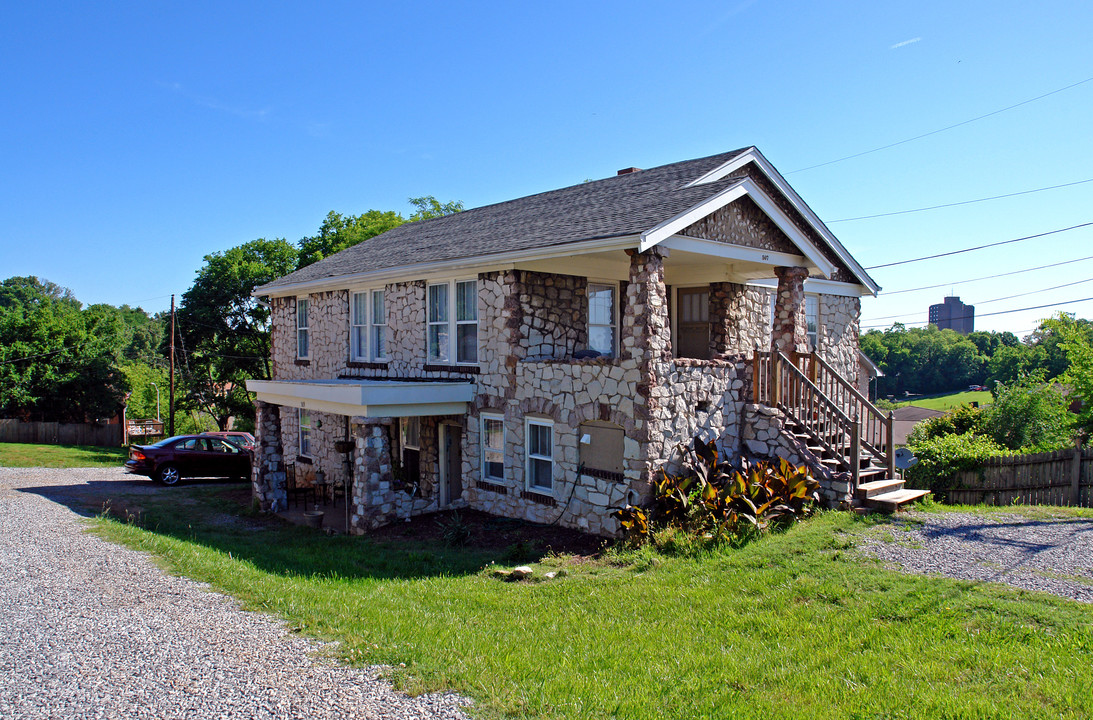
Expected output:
{"points": [[790, 330], [268, 469], [838, 338], [323, 455], [739, 319], [554, 321], [741, 222], [328, 337]]}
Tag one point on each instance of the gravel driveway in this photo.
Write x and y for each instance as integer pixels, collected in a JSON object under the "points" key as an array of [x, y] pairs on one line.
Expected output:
{"points": [[89, 629], [1053, 555]]}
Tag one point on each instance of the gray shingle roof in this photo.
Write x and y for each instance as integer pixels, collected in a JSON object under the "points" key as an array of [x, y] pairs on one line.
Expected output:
{"points": [[616, 206]]}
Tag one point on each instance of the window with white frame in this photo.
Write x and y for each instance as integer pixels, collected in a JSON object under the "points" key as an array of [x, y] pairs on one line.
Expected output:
{"points": [[602, 318], [466, 321], [493, 448], [439, 331], [378, 323], [302, 346], [812, 320], [446, 328], [539, 441], [358, 327], [305, 433], [411, 449]]}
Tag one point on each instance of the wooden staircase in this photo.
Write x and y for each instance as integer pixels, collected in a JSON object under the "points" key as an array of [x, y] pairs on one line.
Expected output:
{"points": [[846, 434]]}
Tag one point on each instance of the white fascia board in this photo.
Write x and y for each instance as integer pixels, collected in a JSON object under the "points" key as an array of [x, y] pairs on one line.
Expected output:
{"points": [[450, 269], [744, 186], [752, 154], [729, 251], [368, 398], [821, 287]]}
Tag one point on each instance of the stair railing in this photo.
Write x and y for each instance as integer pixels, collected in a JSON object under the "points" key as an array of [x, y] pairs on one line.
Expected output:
{"points": [[813, 393]]}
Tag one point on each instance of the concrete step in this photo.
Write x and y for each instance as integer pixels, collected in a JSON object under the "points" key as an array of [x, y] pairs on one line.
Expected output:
{"points": [[892, 501], [867, 490]]}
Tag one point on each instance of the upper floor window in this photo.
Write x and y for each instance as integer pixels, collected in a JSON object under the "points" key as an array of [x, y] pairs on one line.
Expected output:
{"points": [[302, 338], [603, 318], [368, 326], [444, 326]]}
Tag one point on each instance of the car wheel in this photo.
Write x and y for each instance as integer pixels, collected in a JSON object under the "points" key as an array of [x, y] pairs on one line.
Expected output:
{"points": [[169, 475]]}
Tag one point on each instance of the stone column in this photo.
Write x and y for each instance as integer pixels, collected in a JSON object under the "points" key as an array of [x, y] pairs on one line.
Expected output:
{"points": [[373, 493], [268, 467], [646, 340], [645, 330], [728, 314], [790, 331]]}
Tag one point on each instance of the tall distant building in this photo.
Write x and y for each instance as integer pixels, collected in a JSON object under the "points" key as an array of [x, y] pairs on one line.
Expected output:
{"points": [[954, 315]]}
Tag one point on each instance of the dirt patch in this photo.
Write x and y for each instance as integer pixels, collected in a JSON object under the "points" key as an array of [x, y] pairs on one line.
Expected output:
{"points": [[489, 532]]}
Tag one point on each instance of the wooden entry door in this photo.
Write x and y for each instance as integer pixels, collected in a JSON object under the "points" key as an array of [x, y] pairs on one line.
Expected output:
{"points": [[694, 323], [453, 463]]}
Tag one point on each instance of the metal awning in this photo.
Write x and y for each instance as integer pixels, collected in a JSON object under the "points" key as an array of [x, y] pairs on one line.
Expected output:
{"points": [[368, 398]]}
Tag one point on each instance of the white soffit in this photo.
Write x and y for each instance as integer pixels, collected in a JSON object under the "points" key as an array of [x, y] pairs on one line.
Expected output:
{"points": [[821, 287], [740, 188], [367, 398], [752, 155]]}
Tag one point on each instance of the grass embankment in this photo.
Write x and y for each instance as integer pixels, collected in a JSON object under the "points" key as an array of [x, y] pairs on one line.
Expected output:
{"points": [[60, 456], [795, 625], [951, 401]]}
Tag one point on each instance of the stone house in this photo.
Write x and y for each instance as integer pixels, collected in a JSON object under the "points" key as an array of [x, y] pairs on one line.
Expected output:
{"points": [[543, 358]]}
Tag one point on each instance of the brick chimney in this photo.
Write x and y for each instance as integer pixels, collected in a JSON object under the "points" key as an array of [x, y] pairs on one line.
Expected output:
{"points": [[627, 171]]}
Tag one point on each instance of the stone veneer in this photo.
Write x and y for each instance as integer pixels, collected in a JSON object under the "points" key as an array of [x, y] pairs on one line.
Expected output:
{"points": [[739, 319], [741, 222], [838, 334], [790, 331]]}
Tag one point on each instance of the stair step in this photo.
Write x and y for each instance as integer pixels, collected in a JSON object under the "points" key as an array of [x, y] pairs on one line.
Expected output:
{"points": [[873, 488], [872, 471], [892, 501]]}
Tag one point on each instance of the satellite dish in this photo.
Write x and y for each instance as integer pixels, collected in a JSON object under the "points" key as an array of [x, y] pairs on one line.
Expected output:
{"points": [[905, 458]]}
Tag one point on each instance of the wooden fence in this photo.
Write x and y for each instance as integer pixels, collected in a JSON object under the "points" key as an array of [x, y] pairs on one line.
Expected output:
{"points": [[52, 433], [1063, 477]]}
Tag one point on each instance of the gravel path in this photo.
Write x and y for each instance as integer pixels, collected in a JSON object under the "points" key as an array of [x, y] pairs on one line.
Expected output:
{"points": [[1054, 555], [93, 630]]}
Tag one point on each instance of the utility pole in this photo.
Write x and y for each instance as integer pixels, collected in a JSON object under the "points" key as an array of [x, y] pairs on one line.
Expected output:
{"points": [[171, 400]]}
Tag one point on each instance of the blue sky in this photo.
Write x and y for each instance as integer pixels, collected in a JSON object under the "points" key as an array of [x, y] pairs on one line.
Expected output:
{"points": [[138, 137]]}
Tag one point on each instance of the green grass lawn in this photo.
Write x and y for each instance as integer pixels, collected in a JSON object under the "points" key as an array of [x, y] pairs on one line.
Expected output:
{"points": [[952, 400], [795, 625], [60, 456]]}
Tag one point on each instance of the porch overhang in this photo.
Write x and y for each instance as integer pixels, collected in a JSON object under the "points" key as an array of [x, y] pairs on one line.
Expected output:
{"points": [[368, 398]]}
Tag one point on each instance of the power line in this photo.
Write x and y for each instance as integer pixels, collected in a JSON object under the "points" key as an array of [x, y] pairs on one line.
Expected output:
{"points": [[964, 202], [1000, 312], [981, 247], [941, 130], [988, 277], [985, 302]]}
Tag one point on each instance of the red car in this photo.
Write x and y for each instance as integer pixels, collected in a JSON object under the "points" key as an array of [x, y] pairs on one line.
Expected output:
{"points": [[182, 456]]}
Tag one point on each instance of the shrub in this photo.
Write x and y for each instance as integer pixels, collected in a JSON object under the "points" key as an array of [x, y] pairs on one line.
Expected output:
{"points": [[716, 501], [1029, 415], [942, 456], [964, 419]]}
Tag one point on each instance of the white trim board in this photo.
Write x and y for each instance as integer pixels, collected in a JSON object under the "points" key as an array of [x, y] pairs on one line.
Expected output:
{"points": [[367, 398], [821, 287]]}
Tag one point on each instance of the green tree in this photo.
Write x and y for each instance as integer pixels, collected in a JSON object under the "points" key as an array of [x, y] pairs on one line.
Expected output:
{"points": [[339, 232], [224, 332], [428, 207], [57, 361]]}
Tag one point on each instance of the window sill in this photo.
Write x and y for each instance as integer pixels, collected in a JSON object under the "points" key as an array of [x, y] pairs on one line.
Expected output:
{"points": [[465, 369], [540, 496], [362, 365], [492, 487], [303, 460]]}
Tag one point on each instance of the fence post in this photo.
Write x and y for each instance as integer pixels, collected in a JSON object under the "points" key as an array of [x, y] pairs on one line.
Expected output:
{"points": [[1076, 475], [889, 422], [855, 453]]}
